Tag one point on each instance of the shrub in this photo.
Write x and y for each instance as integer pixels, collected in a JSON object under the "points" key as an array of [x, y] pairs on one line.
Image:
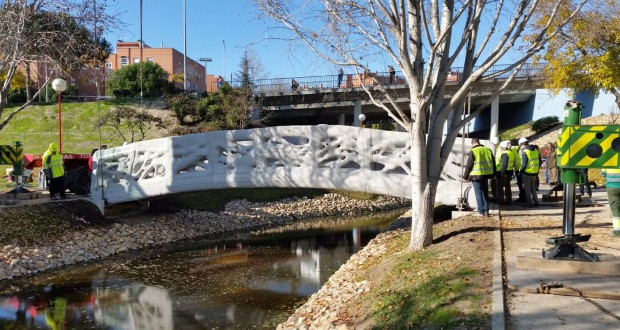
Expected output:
{"points": [[122, 93], [17, 96], [545, 123]]}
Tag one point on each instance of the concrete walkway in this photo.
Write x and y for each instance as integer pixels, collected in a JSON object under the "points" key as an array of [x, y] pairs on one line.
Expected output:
{"points": [[524, 231]]}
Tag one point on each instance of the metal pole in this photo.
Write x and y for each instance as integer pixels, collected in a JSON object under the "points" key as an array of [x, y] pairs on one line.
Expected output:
{"points": [[570, 176], [568, 216], [184, 46], [206, 60], [47, 99], [59, 123]]}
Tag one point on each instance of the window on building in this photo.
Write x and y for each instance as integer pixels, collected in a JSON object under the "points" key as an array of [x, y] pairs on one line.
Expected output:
{"points": [[108, 65], [136, 60], [149, 59], [124, 61]]}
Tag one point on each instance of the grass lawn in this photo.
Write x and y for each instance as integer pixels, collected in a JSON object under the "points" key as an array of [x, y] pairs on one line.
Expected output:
{"points": [[37, 126]]}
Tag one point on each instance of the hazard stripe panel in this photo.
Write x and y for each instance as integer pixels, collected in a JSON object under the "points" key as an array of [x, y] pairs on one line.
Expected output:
{"points": [[10, 155], [583, 146]]}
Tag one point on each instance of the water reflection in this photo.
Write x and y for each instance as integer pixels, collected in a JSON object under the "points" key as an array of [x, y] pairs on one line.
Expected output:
{"points": [[236, 283]]}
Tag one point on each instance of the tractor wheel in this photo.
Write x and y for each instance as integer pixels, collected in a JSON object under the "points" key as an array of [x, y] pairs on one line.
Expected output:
{"points": [[79, 181]]}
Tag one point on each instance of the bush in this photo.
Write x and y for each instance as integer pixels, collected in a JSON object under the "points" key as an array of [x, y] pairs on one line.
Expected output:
{"points": [[17, 97], [155, 80], [121, 93], [545, 123]]}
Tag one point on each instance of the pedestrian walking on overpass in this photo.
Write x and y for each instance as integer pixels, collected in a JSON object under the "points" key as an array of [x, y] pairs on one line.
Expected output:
{"points": [[530, 165], [392, 73], [340, 76], [612, 181], [54, 168], [479, 169], [294, 85]]}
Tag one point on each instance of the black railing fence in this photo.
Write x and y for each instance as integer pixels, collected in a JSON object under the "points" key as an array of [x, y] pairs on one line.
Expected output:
{"points": [[351, 80]]}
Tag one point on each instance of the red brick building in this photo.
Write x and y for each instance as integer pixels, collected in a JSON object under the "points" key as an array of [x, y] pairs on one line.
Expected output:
{"points": [[171, 60], [127, 53]]}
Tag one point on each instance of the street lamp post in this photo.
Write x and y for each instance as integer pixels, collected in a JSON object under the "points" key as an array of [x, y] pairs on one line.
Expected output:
{"points": [[361, 117], [206, 60], [224, 54], [59, 85], [184, 46]]}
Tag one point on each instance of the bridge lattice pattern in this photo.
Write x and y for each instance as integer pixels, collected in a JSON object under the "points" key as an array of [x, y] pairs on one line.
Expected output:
{"points": [[323, 156]]}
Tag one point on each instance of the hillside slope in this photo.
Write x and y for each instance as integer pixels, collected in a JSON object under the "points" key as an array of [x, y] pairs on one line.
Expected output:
{"points": [[37, 126]]}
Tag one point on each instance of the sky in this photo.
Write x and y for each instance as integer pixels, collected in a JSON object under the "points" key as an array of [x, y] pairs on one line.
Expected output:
{"points": [[219, 29]]}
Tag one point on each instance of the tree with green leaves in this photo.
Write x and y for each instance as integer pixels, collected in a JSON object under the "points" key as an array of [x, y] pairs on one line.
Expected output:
{"points": [[129, 78], [424, 39], [55, 32], [229, 108], [250, 69], [586, 55]]}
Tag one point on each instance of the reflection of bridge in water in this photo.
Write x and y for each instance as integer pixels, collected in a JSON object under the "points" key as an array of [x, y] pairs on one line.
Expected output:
{"points": [[323, 156]]}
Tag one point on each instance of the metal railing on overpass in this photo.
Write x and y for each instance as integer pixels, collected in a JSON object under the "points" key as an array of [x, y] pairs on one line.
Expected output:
{"points": [[352, 80]]}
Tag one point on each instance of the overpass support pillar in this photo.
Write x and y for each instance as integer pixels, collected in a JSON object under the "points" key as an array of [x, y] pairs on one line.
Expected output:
{"points": [[341, 119], [357, 110], [494, 118]]}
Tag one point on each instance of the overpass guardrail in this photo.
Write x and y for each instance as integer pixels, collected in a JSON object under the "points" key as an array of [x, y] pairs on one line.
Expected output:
{"points": [[352, 80]]}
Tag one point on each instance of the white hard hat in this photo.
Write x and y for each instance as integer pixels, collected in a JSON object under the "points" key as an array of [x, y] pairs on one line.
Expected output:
{"points": [[504, 144], [522, 140]]}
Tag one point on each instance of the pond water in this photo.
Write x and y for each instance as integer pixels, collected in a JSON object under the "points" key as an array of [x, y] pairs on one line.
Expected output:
{"points": [[248, 281]]}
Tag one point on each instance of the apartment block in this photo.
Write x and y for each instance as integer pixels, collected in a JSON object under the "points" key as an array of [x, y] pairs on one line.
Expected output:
{"points": [[171, 60]]}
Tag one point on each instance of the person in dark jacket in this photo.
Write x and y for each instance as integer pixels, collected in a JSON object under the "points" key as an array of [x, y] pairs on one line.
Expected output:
{"points": [[530, 165], [479, 169], [505, 169]]}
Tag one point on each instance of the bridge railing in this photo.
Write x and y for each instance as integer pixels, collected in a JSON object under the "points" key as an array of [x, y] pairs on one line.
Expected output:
{"points": [[352, 80]]}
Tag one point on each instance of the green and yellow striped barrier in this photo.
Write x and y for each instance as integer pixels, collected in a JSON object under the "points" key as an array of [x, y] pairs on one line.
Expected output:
{"points": [[10, 155], [584, 146], [13, 155]]}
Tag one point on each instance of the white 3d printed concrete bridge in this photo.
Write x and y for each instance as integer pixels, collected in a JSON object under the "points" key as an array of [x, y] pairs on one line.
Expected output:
{"points": [[322, 156]]}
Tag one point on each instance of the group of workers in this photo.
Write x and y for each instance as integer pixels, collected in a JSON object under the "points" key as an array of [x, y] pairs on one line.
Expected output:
{"points": [[523, 161], [483, 166]]}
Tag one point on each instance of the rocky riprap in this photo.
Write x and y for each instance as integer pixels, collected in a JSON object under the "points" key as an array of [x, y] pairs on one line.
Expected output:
{"points": [[95, 242]]}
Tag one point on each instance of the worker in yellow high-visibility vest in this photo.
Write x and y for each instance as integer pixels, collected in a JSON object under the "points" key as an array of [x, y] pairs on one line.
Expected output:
{"points": [[612, 180], [530, 164], [479, 169], [54, 169], [505, 165]]}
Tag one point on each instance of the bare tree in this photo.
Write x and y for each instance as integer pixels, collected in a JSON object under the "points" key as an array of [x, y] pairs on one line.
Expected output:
{"points": [[424, 38], [130, 123], [52, 32]]}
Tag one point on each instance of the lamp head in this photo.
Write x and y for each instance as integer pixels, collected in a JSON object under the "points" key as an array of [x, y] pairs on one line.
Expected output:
{"points": [[59, 85], [361, 117]]}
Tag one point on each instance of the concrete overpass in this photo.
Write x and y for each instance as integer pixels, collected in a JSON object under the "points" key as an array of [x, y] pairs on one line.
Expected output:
{"points": [[320, 100]]}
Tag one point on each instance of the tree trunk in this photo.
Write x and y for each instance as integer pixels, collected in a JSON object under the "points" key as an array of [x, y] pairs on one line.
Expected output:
{"points": [[28, 96], [422, 192], [616, 93]]}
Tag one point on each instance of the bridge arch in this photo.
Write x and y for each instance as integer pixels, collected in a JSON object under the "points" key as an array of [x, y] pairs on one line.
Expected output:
{"points": [[322, 156]]}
